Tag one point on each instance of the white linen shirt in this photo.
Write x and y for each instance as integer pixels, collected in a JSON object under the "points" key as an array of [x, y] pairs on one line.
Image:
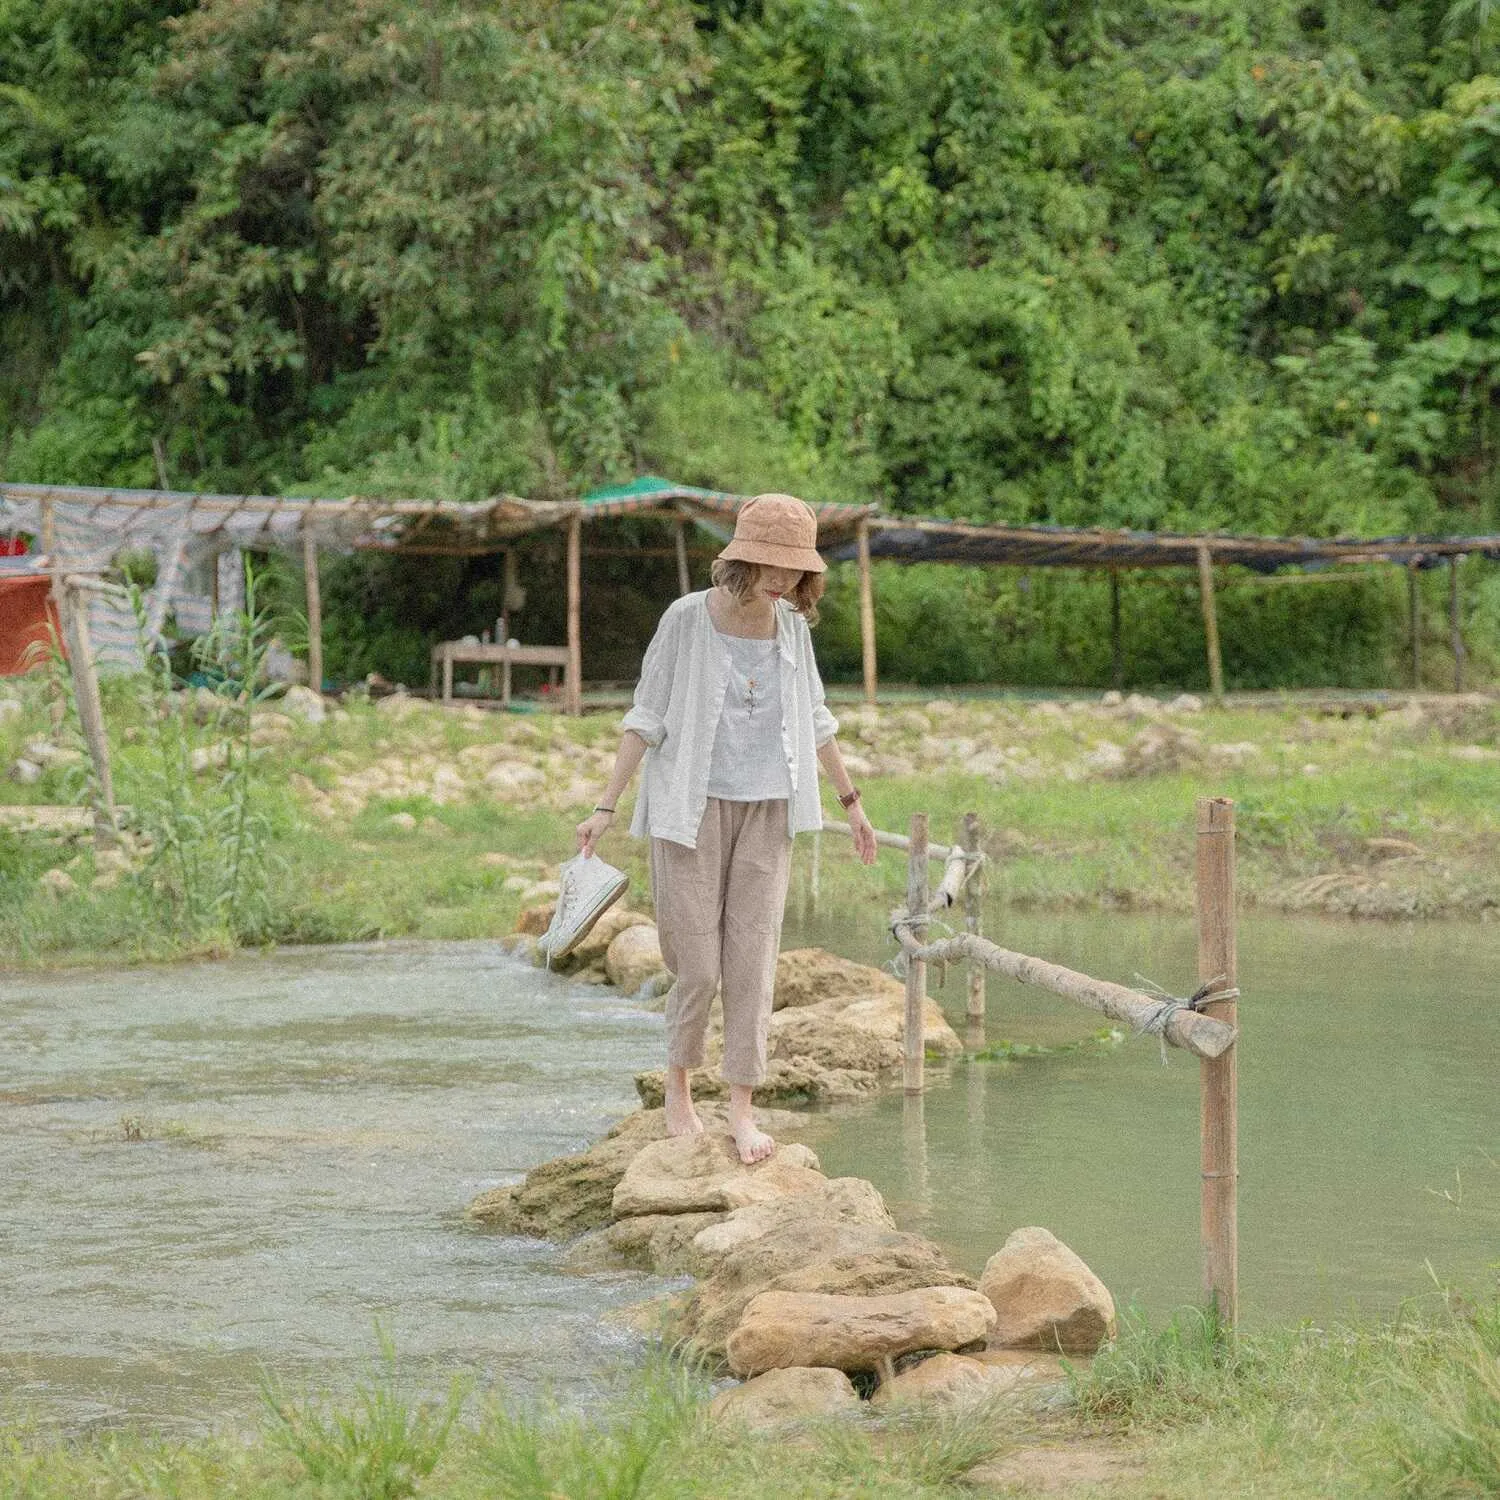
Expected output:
{"points": [[677, 706]]}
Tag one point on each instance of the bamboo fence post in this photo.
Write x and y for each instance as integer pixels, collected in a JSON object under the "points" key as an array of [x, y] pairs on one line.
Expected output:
{"points": [[1210, 621], [1218, 962], [1455, 624], [574, 692], [684, 576], [866, 610], [314, 612], [73, 613], [914, 1152], [916, 969], [974, 918], [1414, 615]]}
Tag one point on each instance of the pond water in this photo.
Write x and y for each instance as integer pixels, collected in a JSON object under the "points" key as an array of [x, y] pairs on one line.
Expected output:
{"points": [[217, 1170], [1369, 1114]]}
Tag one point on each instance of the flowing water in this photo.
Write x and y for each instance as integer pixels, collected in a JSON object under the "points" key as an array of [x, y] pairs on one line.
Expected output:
{"points": [[310, 1128], [219, 1170]]}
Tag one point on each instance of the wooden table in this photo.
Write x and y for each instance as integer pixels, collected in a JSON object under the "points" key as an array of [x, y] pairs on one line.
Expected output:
{"points": [[445, 653]]}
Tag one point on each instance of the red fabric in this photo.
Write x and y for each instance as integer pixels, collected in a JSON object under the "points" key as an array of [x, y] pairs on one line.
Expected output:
{"points": [[13, 546], [27, 617]]}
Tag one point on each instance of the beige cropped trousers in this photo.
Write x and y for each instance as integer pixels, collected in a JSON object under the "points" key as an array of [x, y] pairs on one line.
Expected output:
{"points": [[718, 915]]}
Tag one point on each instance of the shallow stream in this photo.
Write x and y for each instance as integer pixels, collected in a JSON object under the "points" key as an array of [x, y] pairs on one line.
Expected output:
{"points": [[218, 1170]]}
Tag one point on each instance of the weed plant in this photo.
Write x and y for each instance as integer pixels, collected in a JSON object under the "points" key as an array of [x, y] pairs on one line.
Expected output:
{"points": [[382, 1446], [209, 869]]}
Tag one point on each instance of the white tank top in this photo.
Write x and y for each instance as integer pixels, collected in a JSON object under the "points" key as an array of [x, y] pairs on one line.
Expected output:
{"points": [[749, 759]]}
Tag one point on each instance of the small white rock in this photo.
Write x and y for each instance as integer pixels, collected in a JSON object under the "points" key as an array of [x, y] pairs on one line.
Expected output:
{"points": [[402, 822], [26, 772], [303, 703], [57, 882], [210, 757]]}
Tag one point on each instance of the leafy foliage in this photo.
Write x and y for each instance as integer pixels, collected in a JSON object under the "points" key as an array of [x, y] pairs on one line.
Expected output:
{"points": [[1104, 262]]}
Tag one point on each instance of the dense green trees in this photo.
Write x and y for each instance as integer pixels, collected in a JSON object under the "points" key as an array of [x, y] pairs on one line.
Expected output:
{"points": [[1142, 263]]}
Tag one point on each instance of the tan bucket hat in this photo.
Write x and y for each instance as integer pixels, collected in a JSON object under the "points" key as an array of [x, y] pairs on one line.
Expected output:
{"points": [[780, 531]]}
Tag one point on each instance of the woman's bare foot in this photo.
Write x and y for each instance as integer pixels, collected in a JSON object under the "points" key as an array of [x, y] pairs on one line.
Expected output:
{"points": [[750, 1140], [682, 1118]]}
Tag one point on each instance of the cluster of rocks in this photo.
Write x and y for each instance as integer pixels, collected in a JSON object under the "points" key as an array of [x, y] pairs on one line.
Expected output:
{"points": [[524, 768], [805, 1288]]}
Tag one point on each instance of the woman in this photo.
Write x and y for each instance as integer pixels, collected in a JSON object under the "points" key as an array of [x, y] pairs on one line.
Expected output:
{"points": [[730, 720]]}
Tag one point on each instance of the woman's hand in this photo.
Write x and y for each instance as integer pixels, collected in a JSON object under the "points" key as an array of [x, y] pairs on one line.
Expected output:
{"points": [[864, 834], [593, 828]]}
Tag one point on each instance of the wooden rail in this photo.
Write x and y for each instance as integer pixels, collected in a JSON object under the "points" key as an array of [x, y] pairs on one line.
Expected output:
{"points": [[1187, 1023]]}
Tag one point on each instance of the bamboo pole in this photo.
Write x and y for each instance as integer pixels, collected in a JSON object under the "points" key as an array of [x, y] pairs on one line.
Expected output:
{"points": [[1116, 634], [314, 612], [1218, 963], [1455, 627], [1192, 1031], [915, 1154], [866, 611], [574, 692], [72, 616], [73, 612], [684, 575], [1414, 618], [916, 969], [1210, 621], [974, 916]]}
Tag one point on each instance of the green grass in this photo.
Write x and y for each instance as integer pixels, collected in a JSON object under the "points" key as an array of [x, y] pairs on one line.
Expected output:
{"points": [[1409, 1407], [648, 1438], [1060, 835], [1405, 1408]]}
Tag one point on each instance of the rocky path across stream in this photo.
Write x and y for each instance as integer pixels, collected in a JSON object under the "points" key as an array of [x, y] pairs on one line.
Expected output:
{"points": [[804, 1286]]}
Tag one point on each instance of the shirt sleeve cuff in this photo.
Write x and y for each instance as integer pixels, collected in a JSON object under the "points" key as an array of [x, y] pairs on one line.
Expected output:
{"points": [[825, 726], [649, 725]]}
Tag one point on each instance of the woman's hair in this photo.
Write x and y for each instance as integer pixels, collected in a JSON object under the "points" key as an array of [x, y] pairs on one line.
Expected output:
{"points": [[738, 578]]}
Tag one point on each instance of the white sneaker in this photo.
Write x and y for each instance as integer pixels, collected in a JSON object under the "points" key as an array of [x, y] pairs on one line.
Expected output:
{"points": [[589, 887]]}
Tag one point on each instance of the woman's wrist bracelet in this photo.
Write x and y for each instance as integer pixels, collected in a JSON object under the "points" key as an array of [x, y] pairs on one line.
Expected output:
{"points": [[848, 801], [609, 810]]}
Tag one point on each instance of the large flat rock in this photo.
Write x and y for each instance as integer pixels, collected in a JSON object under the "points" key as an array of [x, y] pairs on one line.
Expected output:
{"points": [[810, 1254], [781, 1329], [843, 1200], [572, 1194], [704, 1174]]}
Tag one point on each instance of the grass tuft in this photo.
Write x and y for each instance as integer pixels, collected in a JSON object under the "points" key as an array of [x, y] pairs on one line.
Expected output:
{"points": [[381, 1448]]}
